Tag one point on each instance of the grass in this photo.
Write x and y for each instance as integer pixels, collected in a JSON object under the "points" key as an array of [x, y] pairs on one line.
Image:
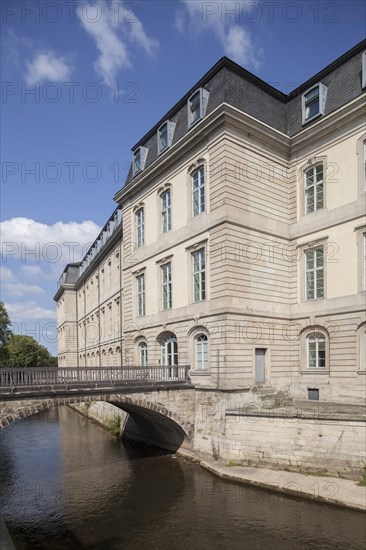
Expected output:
{"points": [[232, 463], [114, 426]]}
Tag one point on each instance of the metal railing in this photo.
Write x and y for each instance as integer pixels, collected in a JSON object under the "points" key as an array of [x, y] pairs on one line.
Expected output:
{"points": [[132, 376]]}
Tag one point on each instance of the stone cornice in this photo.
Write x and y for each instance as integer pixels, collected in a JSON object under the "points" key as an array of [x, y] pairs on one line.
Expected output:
{"points": [[225, 113]]}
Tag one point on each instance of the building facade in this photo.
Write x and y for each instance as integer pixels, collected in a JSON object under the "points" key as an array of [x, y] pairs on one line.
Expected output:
{"points": [[238, 243]]}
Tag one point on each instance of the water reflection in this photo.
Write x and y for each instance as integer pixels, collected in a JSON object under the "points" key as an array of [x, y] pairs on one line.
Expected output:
{"points": [[66, 484]]}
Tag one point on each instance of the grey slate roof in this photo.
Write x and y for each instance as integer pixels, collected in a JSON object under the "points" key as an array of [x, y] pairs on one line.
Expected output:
{"points": [[230, 83]]}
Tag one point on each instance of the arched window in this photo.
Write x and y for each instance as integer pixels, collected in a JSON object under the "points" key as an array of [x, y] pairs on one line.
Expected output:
{"points": [[201, 352], [169, 356], [142, 348], [316, 351], [361, 343]]}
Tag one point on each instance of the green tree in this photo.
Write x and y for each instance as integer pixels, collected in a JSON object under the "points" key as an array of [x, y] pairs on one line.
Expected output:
{"points": [[25, 351], [5, 333]]}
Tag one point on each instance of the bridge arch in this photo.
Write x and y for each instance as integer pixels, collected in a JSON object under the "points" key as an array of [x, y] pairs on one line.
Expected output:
{"points": [[148, 420]]}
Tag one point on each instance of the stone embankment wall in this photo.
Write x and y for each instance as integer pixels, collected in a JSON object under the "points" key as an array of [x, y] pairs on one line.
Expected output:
{"points": [[328, 440], [325, 441]]}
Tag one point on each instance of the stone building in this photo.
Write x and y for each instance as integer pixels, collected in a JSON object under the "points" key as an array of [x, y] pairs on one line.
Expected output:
{"points": [[238, 243]]}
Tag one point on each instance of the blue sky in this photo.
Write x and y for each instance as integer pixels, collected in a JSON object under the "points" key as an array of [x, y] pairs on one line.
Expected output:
{"points": [[102, 74]]}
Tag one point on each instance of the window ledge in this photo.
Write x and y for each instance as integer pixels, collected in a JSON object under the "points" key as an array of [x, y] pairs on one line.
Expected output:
{"points": [[314, 117], [361, 371], [191, 124], [199, 373], [315, 371]]}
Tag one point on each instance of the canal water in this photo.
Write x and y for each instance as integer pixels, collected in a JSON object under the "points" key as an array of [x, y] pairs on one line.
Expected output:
{"points": [[67, 484]]}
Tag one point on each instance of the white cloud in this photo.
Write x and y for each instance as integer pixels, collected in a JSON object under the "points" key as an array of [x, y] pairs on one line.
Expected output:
{"points": [[12, 286], [35, 242], [14, 47], [6, 274], [32, 271], [225, 20], [112, 26], [47, 66], [18, 312], [19, 289]]}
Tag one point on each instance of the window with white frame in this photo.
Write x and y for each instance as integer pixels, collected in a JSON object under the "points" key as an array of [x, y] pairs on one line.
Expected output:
{"points": [[169, 356], [364, 260], [140, 280], [166, 211], [143, 354], [199, 275], [140, 226], [314, 188], [166, 283], [165, 136], [364, 69], [197, 105], [201, 352], [361, 342], [139, 160], [314, 273], [316, 352], [198, 191], [313, 102]]}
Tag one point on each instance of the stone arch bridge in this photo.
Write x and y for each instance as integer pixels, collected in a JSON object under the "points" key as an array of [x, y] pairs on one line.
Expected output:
{"points": [[160, 409]]}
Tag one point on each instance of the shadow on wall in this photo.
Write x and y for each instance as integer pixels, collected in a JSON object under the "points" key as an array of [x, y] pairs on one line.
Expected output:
{"points": [[153, 428]]}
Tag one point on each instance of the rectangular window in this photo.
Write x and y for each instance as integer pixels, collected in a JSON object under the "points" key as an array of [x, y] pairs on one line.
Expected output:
{"points": [[314, 273], [260, 365], [166, 272], [163, 137], [197, 105], [314, 189], [140, 227], [364, 261], [313, 102], [313, 394], [140, 280], [198, 191], [139, 160], [166, 214], [136, 161], [364, 70], [199, 275]]}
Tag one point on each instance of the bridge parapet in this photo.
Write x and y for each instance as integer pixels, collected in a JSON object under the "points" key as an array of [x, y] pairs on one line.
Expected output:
{"points": [[40, 379]]}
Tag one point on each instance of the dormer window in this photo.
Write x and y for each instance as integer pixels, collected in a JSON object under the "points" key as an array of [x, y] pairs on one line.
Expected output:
{"points": [[197, 105], [364, 70], [165, 135], [139, 159], [313, 102]]}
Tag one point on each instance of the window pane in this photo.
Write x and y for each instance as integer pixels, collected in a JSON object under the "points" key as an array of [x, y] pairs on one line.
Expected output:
{"points": [[309, 259], [163, 137], [312, 354]]}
